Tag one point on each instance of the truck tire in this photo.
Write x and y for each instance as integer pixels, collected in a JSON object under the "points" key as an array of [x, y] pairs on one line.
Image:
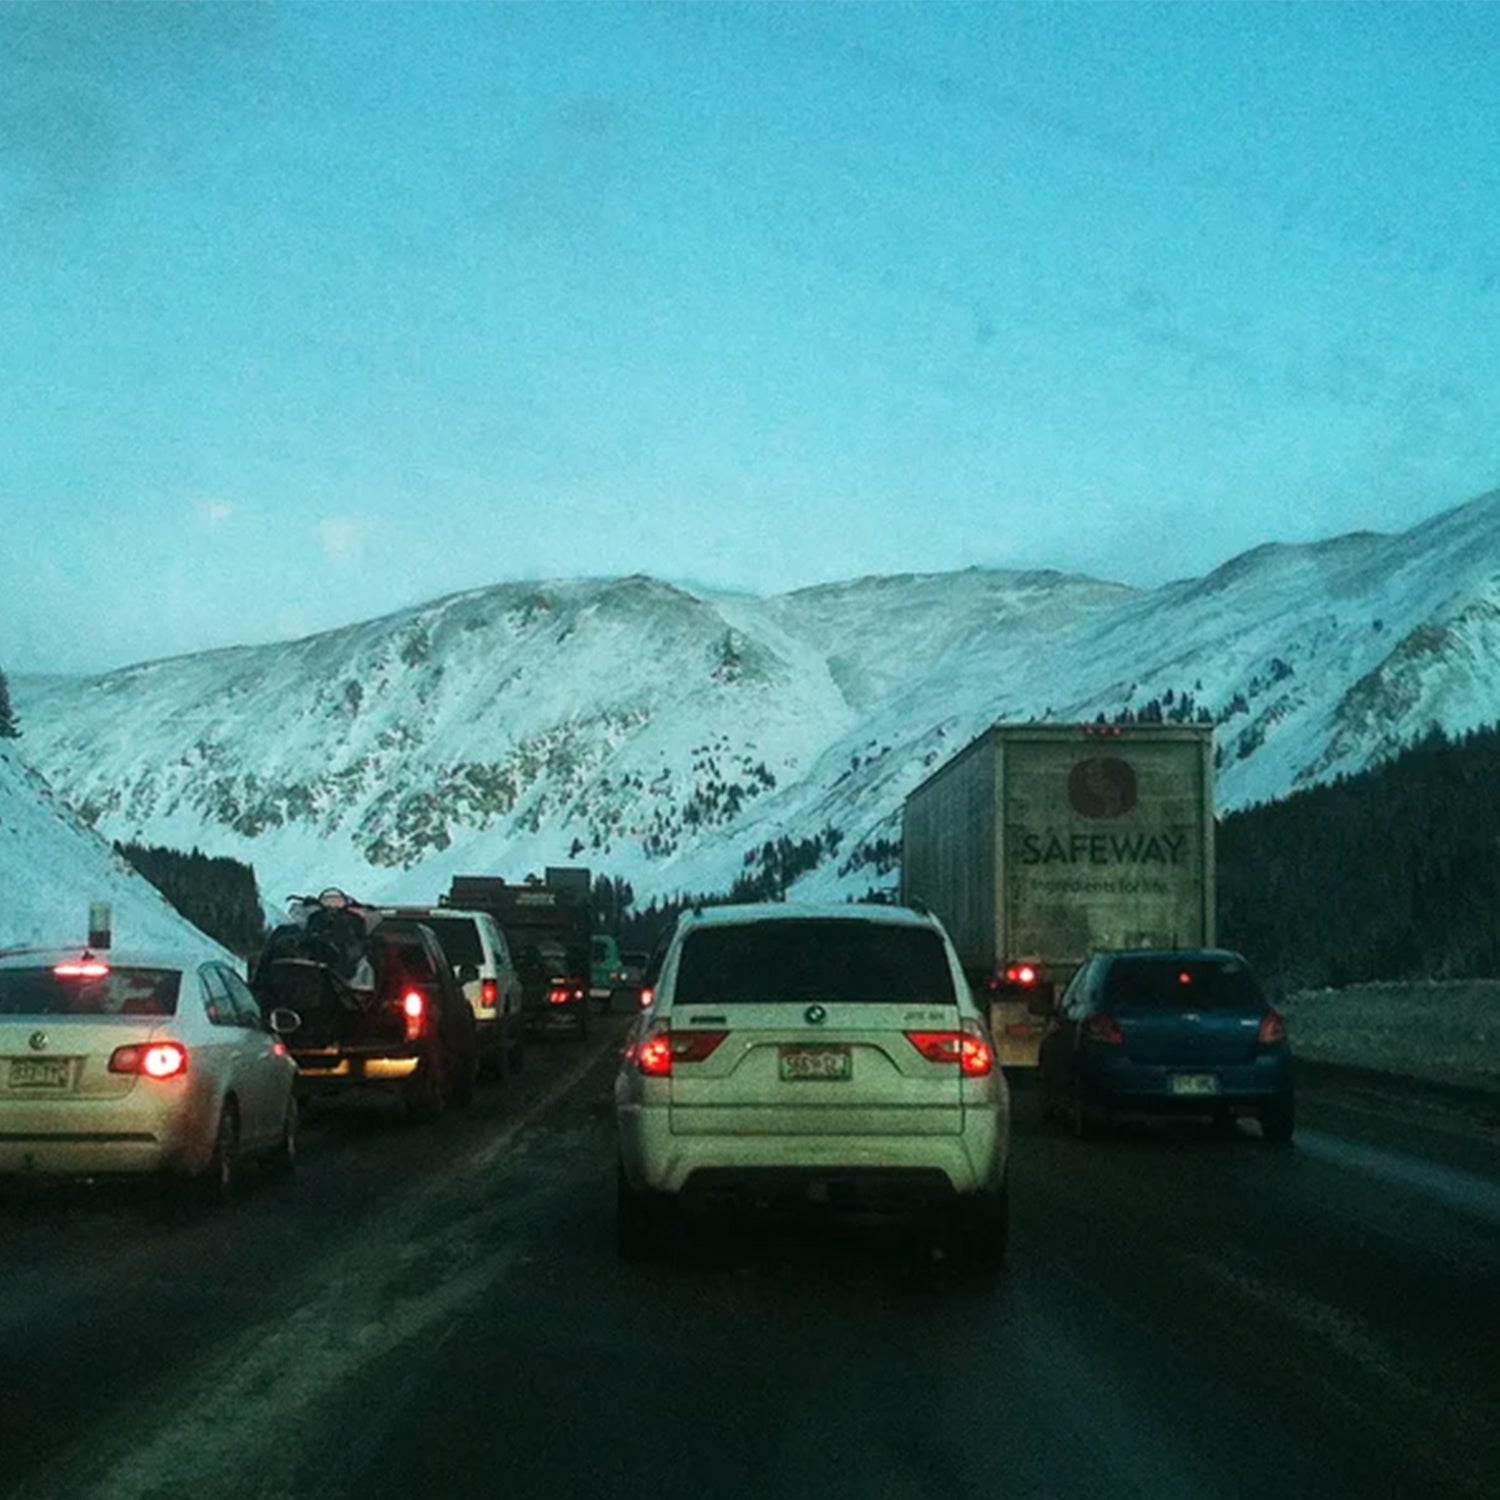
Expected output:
{"points": [[426, 1091]]}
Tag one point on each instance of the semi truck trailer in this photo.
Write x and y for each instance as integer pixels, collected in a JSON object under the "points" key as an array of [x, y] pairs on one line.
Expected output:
{"points": [[1038, 844]]}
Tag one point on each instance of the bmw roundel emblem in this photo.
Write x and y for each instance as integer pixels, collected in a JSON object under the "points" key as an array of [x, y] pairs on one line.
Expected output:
{"points": [[37, 1041], [815, 1015]]}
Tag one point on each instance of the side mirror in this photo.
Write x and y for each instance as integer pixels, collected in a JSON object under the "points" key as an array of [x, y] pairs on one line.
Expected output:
{"points": [[284, 1021]]}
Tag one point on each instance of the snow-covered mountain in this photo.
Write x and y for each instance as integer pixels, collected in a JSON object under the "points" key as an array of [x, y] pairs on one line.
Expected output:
{"points": [[52, 867], [665, 735]]}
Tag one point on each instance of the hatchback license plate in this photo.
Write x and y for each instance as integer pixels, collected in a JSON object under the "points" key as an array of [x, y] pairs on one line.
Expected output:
{"points": [[816, 1064], [40, 1073], [1194, 1083]]}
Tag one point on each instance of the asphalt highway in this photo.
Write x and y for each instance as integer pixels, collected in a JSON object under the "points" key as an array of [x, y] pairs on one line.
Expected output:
{"points": [[437, 1310]]}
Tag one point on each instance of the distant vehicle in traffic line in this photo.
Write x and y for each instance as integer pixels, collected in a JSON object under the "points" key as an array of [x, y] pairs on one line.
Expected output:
{"points": [[135, 1064], [1039, 843], [368, 1002], [1168, 1032], [824, 1058], [476, 949]]}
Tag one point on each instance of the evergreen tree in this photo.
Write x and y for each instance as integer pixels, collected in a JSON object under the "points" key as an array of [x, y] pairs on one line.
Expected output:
{"points": [[10, 727]]}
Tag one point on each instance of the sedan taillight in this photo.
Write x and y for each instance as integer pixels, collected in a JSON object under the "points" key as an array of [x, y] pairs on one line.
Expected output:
{"points": [[1272, 1029], [150, 1060], [1103, 1028]]}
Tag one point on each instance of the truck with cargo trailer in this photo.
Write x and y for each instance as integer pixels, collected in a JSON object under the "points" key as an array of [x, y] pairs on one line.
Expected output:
{"points": [[1038, 844]]}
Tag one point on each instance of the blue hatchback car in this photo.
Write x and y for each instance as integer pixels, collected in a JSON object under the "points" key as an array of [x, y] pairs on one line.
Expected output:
{"points": [[1158, 1031]]}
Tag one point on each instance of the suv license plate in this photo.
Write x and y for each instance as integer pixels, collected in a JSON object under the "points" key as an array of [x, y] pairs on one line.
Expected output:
{"points": [[816, 1064], [40, 1073], [1195, 1083]]}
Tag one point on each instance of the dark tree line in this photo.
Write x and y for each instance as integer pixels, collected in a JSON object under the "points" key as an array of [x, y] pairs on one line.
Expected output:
{"points": [[1391, 874], [217, 895], [10, 725]]}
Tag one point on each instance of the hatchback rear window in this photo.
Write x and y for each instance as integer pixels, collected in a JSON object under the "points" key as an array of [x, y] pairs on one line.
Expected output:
{"points": [[832, 960], [120, 992], [1168, 983]]}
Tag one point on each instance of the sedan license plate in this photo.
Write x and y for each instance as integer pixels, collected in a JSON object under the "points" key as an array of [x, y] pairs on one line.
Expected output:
{"points": [[53, 1073], [1195, 1083], [816, 1064]]}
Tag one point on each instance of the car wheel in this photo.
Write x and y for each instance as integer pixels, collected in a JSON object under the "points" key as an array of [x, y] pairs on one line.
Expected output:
{"points": [[214, 1186], [1278, 1120], [640, 1218], [283, 1159], [979, 1229]]}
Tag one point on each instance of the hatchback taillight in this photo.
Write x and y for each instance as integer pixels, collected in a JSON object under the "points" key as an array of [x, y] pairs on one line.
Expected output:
{"points": [[1102, 1028], [414, 1013], [1272, 1029], [489, 992], [656, 1056], [968, 1048], [150, 1060]]}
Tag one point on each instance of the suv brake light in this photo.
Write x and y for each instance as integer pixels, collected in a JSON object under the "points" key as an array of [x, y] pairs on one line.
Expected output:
{"points": [[414, 1013], [1103, 1028], [656, 1056], [89, 968], [489, 992], [151, 1060], [968, 1048], [1272, 1029]]}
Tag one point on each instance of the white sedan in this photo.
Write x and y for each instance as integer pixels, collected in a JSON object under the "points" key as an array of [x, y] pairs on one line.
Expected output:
{"points": [[135, 1064]]}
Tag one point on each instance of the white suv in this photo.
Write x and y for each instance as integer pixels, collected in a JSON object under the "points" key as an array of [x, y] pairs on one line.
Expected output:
{"points": [[823, 1056]]}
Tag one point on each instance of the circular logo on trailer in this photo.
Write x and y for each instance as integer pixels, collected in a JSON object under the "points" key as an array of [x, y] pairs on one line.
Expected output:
{"points": [[37, 1041], [1102, 787], [815, 1015]]}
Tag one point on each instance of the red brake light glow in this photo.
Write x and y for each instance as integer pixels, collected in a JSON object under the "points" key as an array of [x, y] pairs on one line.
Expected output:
{"points": [[647, 996], [1272, 1029], [1020, 974], [153, 1060], [88, 969], [1102, 1028], [657, 1055], [967, 1048], [414, 1013], [489, 992]]}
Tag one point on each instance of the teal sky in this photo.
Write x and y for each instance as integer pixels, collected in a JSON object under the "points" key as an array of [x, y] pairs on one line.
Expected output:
{"points": [[311, 312]]}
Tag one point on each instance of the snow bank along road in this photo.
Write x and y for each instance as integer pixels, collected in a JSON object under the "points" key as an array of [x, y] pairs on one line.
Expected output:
{"points": [[439, 1311]]}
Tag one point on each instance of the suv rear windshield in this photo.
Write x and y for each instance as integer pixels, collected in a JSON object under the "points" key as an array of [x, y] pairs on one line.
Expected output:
{"points": [[816, 959], [460, 939], [1168, 983], [120, 992]]}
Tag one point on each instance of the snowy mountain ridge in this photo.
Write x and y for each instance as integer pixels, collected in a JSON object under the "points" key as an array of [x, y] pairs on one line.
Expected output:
{"points": [[667, 735]]}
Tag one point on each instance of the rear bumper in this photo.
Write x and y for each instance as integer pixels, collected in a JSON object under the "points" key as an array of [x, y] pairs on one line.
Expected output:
{"points": [[333, 1072], [970, 1161], [1116, 1082], [128, 1137]]}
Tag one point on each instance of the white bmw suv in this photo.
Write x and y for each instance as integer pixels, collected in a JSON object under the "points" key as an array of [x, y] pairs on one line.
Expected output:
{"points": [[831, 1057]]}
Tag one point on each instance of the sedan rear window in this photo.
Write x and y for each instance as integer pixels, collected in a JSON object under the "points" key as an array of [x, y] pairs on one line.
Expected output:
{"points": [[832, 960], [1167, 983], [120, 992]]}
